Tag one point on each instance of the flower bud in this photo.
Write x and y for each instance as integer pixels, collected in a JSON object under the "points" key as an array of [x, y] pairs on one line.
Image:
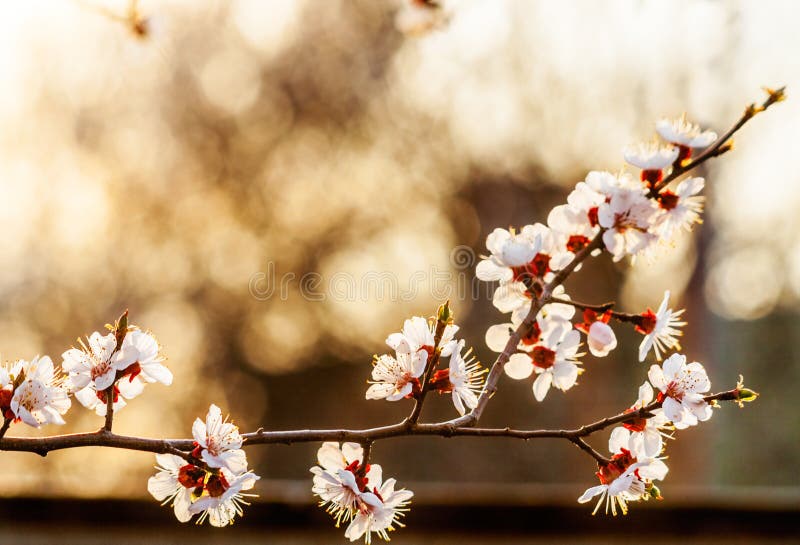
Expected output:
{"points": [[444, 315], [601, 339], [746, 395]]}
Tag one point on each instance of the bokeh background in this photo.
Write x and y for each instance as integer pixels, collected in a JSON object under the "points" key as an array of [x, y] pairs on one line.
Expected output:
{"points": [[233, 171]]}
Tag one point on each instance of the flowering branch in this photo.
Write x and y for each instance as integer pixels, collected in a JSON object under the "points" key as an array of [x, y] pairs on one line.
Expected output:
{"points": [[617, 214], [722, 145]]}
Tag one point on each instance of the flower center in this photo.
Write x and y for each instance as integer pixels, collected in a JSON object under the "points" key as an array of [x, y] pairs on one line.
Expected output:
{"points": [[543, 357], [360, 473], [101, 395], [99, 369], [619, 463], [668, 200], [593, 219], [191, 476], [216, 485], [635, 425], [440, 381], [5, 403], [532, 337], [652, 177], [132, 370], [646, 322], [674, 390], [684, 153], [576, 243], [535, 268]]}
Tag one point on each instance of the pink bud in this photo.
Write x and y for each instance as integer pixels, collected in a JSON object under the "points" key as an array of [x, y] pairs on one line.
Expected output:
{"points": [[601, 339]]}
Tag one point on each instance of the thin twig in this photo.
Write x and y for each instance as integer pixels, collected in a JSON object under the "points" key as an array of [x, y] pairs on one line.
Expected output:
{"points": [[585, 306], [433, 362], [109, 407], [584, 446]]}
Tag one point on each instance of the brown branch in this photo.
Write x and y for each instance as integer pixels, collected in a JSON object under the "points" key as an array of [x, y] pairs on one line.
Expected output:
{"points": [[109, 407], [4, 429], [181, 447], [584, 446]]}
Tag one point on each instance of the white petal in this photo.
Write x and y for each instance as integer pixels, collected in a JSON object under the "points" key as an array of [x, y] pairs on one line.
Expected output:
{"points": [[620, 439], [352, 452], [657, 378], [497, 337], [379, 391], [592, 492], [488, 271], [541, 385], [519, 366], [673, 410]]}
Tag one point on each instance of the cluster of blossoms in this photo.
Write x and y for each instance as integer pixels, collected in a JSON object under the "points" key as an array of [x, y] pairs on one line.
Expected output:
{"points": [[211, 480], [123, 365], [417, 350], [117, 364], [619, 213], [624, 215], [353, 491], [636, 446], [33, 392]]}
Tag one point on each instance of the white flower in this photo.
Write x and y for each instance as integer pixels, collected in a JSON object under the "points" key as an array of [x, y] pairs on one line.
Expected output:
{"points": [[643, 436], [682, 386], [213, 488], [550, 316], [650, 156], [555, 360], [175, 481], [338, 482], [222, 497], [139, 356], [624, 478], [91, 365], [575, 224], [351, 492], [510, 296], [679, 210], [95, 368], [396, 378], [40, 398], [684, 133], [463, 379], [219, 443], [510, 252], [418, 334], [627, 218], [601, 339], [379, 512], [660, 329]]}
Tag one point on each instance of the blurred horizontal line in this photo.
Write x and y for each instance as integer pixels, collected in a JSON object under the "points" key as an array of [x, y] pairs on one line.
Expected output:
{"points": [[294, 492]]}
